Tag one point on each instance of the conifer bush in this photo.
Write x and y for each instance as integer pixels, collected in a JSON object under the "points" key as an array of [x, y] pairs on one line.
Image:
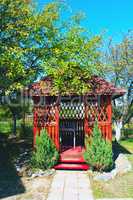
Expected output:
{"points": [[45, 155], [98, 154]]}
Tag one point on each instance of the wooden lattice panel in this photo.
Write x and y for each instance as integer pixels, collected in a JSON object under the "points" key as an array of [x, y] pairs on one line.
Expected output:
{"points": [[96, 112], [72, 111], [44, 115]]}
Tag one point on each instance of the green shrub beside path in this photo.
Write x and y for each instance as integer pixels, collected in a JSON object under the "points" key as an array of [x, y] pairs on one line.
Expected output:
{"points": [[45, 155]]}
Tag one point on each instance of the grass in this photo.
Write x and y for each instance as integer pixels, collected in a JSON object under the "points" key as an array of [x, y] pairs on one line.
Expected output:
{"points": [[128, 144], [120, 186], [6, 128]]}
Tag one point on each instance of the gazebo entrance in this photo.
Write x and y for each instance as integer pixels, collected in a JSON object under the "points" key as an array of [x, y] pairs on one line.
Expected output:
{"points": [[71, 124]]}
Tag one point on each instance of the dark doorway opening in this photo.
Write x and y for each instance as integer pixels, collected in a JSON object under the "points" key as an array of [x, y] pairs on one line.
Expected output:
{"points": [[71, 125], [71, 133]]}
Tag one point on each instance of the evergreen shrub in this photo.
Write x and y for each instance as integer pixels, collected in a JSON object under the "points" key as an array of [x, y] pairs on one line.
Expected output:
{"points": [[98, 154], [45, 155]]}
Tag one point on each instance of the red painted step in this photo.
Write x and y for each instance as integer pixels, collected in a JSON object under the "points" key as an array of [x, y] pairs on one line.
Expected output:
{"points": [[69, 166], [71, 160], [73, 155]]}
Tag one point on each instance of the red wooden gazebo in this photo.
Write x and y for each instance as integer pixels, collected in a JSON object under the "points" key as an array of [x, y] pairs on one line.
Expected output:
{"points": [[70, 117]]}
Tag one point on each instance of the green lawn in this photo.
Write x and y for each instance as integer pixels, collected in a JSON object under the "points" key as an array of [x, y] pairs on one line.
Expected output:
{"points": [[5, 127], [128, 144], [120, 186]]}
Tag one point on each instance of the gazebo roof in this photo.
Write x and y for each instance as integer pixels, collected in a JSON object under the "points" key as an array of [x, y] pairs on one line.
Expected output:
{"points": [[99, 86]]}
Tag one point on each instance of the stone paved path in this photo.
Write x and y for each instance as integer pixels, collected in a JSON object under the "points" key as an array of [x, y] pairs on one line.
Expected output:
{"points": [[70, 185]]}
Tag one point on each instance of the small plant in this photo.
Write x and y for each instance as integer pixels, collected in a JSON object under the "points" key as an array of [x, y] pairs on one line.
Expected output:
{"points": [[45, 155], [98, 152]]}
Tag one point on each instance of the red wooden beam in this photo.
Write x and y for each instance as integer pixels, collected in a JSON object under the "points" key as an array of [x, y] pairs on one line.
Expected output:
{"points": [[34, 126], [109, 113], [57, 127]]}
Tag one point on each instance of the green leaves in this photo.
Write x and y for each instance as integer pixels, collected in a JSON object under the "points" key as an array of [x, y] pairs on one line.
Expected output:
{"points": [[120, 71], [98, 151], [74, 59], [35, 43], [14, 19]]}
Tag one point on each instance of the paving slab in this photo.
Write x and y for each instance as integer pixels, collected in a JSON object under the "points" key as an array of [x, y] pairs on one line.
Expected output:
{"points": [[70, 185]]}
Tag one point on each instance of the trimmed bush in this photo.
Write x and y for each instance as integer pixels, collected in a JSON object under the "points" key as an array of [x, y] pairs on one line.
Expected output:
{"points": [[98, 152], [45, 155]]}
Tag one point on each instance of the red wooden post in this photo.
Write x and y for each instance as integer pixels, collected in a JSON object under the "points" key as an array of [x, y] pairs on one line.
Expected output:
{"points": [[36, 100], [86, 120], [109, 113], [103, 123], [35, 118], [86, 116], [57, 127]]}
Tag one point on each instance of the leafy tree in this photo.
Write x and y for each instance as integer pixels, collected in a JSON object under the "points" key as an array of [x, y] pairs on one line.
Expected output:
{"points": [[98, 152], [14, 22], [74, 59], [25, 37], [24, 34], [120, 71], [14, 108], [34, 43], [45, 155]]}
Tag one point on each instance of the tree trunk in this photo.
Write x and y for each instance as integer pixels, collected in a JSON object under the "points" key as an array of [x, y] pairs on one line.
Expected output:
{"points": [[14, 125], [118, 127], [24, 113]]}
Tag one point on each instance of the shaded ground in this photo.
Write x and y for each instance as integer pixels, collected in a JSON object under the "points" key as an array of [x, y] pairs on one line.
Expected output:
{"points": [[36, 189], [119, 148], [120, 186], [12, 186], [10, 182]]}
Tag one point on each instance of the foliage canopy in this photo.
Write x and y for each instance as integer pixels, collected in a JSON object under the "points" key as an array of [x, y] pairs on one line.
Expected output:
{"points": [[34, 44], [120, 70]]}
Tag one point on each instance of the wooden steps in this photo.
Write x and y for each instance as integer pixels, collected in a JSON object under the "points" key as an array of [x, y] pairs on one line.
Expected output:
{"points": [[72, 159], [71, 166]]}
